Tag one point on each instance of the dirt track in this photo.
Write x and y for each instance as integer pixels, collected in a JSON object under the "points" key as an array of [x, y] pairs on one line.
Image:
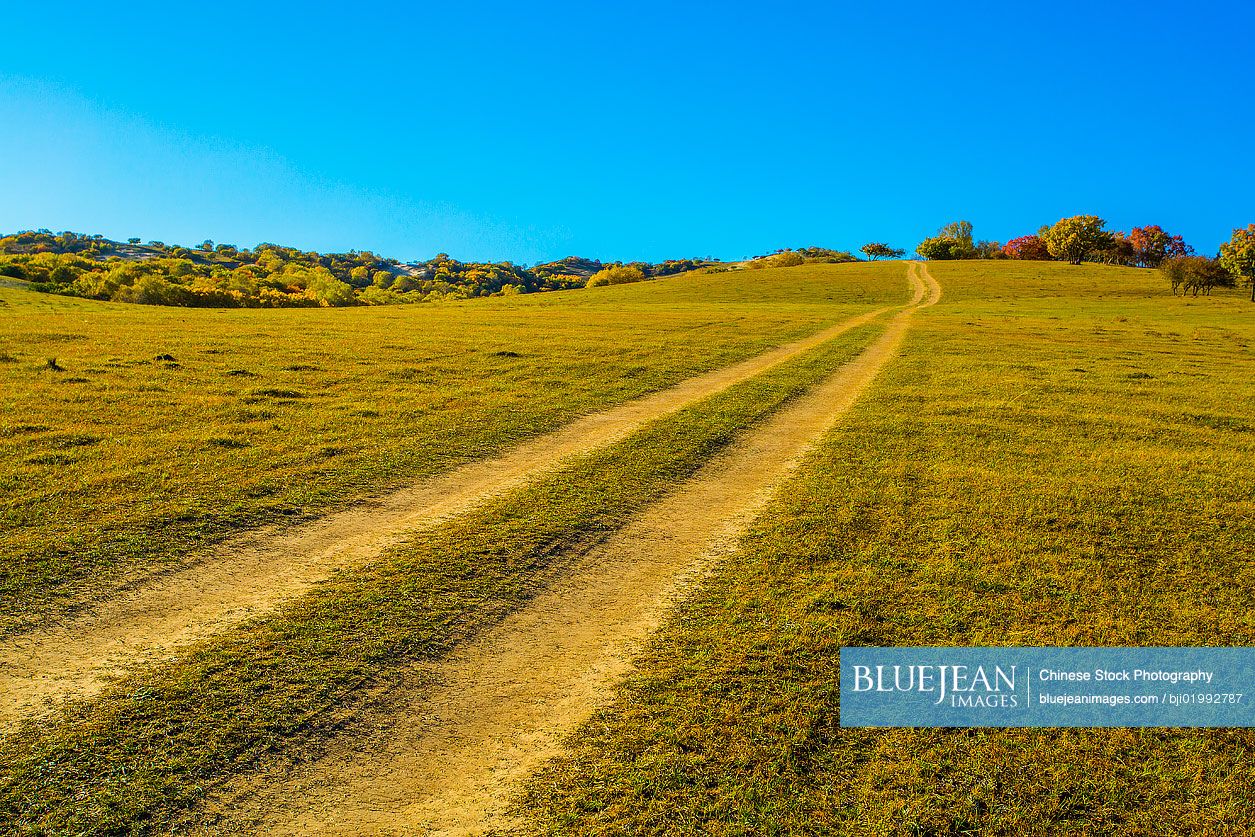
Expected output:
{"points": [[448, 761], [251, 575]]}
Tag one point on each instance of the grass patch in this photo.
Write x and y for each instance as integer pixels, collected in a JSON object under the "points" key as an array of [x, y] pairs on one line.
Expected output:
{"points": [[981, 493]]}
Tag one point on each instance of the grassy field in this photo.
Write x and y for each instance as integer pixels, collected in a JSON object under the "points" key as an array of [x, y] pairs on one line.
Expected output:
{"points": [[162, 430], [161, 739], [1057, 455], [1061, 455]]}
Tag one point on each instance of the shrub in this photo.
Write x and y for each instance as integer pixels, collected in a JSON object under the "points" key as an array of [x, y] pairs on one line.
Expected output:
{"points": [[785, 258], [616, 274]]}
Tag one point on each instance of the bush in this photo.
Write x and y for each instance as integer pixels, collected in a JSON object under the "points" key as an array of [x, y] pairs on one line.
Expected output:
{"points": [[785, 258], [617, 274]]}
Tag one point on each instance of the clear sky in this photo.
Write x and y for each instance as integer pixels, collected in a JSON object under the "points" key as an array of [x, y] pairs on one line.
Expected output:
{"points": [[642, 130]]}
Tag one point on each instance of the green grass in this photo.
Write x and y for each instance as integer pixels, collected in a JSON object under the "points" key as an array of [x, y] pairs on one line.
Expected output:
{"points": [[1060, 456], [134, 758], [168, 429]]}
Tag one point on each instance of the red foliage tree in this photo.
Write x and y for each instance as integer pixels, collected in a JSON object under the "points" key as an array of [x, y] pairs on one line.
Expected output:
{"points": [[1151, 245], [1028, 248]]}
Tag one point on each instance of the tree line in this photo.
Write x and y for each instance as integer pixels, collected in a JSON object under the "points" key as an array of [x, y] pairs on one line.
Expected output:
{"points": [[271, 275], [1085, 238]]}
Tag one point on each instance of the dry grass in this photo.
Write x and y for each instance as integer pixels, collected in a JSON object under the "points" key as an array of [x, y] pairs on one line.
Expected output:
{"points": [[163, 430], [133, 758], [1061, 456]]}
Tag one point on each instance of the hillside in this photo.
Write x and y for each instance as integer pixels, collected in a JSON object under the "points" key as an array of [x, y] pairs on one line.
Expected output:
{"points": [[271, 275], [583, 562]]}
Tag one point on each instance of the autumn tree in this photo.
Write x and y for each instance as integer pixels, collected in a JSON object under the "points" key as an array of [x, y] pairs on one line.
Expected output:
{"points": [[880, 250], [1151, 245], [1026, 248], [1075, 239], [1117, 249], [1237, 255]]}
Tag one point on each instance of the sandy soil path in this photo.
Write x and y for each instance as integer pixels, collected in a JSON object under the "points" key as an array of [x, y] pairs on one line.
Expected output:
{"points": [[448, 759], [252, 574]]}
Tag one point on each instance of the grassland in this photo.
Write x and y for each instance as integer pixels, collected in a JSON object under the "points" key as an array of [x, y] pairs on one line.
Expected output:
{"points": [[165, 430], [1061, 455], [134, 758]]}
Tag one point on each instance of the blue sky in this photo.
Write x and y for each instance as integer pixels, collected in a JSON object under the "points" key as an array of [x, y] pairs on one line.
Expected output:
{"points": [[647, 130]]}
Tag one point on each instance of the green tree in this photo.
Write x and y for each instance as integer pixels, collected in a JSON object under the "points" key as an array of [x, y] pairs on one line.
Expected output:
{"points": [[952, 241], [988, 250], [1075, 239], [961, 230], [944, 247], [1237, 255], [1195, 274]]}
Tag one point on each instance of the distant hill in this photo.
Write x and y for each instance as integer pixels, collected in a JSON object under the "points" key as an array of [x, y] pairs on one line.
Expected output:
{"points": [[271, 275]]}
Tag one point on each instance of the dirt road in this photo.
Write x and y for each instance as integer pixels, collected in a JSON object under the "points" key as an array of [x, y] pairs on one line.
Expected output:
{"points": [[448, 759], [253, 574]]}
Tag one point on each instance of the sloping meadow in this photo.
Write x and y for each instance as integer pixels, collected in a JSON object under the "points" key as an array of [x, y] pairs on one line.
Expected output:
{"points": [[131, 436], [1061, 456], [135, 757]]}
